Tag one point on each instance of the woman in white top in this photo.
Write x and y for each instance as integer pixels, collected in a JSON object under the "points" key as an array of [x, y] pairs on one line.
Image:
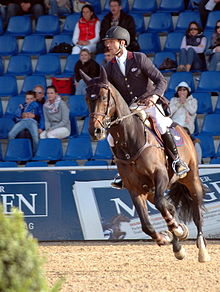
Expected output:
{"points": [[192, 49], [183, 107], [86, 32]]}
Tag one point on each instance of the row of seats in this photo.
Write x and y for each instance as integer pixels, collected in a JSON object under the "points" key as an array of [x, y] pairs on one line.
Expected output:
{"points": [[208, 82], [78, 148]]}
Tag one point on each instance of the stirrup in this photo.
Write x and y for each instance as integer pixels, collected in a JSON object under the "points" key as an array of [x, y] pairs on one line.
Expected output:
{"points": [[117, 183], [182, 172]]}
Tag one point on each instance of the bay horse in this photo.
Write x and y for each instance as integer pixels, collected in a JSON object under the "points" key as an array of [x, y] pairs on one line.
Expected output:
{"points": [[145, 168]]}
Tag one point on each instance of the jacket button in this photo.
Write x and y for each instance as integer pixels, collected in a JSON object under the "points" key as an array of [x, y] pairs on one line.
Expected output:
{"points": [[126, 79], [131, 92], [128, 85]]}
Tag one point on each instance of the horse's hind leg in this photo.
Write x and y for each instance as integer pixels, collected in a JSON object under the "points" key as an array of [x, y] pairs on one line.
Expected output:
{"points": [[141, 208]]}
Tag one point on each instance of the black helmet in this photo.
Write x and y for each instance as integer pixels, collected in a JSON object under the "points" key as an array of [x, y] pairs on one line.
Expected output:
{"points": [[117, 33]]}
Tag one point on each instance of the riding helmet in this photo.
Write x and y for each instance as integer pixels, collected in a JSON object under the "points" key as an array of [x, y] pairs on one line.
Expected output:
{"points": [[117, 33]]}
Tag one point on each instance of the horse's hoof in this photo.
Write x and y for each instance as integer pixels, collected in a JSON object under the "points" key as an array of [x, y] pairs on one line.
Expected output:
{"points": [[180, 255], [182, 232], [204, 256], [165, 237]]}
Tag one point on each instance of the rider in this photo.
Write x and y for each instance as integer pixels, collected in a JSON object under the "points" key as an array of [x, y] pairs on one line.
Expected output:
{"points": [[137, 79]]}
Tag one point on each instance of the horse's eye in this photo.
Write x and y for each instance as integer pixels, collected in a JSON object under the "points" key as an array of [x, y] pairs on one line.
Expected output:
{"points": [[104, 97]]}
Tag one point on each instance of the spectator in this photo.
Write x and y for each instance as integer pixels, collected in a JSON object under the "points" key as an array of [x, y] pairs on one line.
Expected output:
{"points": [[3, 10], [107, 56], [58, 7], [214, 50], [192, 49], [197, 145], [86, 32], [40, 94], [56, 115], [183, 107], [205, 6], [89, 66], [78, 5], [22, 7], [115, 17], [28, 116]]}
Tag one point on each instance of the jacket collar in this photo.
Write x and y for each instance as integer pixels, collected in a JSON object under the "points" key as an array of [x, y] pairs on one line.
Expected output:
{"points": [[130, 55]]}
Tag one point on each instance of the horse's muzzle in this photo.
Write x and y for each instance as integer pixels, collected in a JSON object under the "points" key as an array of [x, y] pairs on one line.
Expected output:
{"points": [[99, 134]]}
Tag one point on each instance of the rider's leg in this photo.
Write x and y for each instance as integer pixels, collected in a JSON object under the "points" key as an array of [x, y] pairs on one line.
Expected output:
{"points": [[163, 123]]}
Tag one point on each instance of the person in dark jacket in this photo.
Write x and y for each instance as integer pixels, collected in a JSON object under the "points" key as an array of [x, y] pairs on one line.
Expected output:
{"points": [[22, 7], [137, 79], [87, 65], [117, 16]]}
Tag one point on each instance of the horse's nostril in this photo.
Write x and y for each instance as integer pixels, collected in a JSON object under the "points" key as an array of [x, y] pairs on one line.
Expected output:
{"points": [[98, 130]]}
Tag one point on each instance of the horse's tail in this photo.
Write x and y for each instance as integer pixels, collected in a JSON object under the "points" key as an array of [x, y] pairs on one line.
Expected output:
{"points": [[179, 196]]}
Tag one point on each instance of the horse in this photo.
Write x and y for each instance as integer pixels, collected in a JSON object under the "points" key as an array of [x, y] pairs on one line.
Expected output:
{"points": [[145, 167], [114, 227]]}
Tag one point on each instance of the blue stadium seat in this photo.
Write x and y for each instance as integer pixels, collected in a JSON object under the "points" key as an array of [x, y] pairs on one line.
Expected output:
{"points": [[124, 5], [217, 106], [1, 26], [36, 164], [8, 164], [8, 45], [149, 43], [78, 148], [103, 150], [31, 81], [70, 64], [8, 86], [66, 163], [34, 45], [172, 6], [78, 106], [5, 126], [160, 22], [74, 126], [96, 163], [173, 41], [70, 23], [48, 64], [217, 154], [61, 38], [178, 77], [49, 149], [209, 81], [215, 160], [19, 65], [185, 18], [1, 109], [96, 4], [143, 7], [213, 17], [193, 5], [211, 124], [207, 145], [204, 102], [139, 22], [161, 56], [100, 58], [18, 150], [19, 25], [1, 156], [47, 25], [12, 106], [2, 69], [85, 131]]}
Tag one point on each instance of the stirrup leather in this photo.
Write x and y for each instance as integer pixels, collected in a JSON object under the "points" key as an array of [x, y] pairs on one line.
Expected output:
{"points": [[183, 172]]}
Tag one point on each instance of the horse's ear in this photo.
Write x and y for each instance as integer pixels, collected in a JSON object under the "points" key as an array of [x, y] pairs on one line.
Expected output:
{"points": [[103, 75], [84, 76]]}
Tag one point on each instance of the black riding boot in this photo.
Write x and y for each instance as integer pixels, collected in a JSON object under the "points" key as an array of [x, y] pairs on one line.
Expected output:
{"points": [[179, 167], [117, 183]]}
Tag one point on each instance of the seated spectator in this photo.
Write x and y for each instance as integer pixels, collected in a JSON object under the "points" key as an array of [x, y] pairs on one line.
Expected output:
{"points": [[115, 17], [58, 7], [205, 6], [107, 56], [192, 49], [56, 115], [28, 116], [86, 32], [183, 107], [3, 10], [22, 7], [89, 66], [214, 50], [197, 145], [40, 94]]}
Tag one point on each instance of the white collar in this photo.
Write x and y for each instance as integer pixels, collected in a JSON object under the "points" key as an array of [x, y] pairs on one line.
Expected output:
{"points": [[123, 57]]}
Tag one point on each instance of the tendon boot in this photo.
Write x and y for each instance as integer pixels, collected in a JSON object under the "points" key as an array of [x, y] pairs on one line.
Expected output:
{"points": [[117, 183], [179, 166]]}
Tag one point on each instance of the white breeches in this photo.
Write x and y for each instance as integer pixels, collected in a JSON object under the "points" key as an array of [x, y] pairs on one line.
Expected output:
{"points": [[161, 121]]}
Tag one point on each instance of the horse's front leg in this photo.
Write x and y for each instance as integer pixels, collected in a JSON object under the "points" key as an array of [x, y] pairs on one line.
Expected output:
{"points": [[168, 212], [141, 208]]}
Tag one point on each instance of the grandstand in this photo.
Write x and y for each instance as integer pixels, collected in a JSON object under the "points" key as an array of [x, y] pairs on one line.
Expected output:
{"points": [[35, 45]]}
